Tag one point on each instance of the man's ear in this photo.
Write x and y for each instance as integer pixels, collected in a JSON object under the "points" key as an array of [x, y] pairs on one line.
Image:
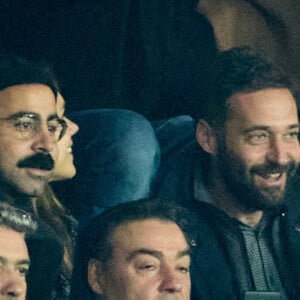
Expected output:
{"points": [[206, 137], [95, 278]]}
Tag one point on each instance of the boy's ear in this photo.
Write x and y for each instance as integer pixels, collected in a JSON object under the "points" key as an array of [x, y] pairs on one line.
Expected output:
{"points": [[206, 137], [95, 276]]}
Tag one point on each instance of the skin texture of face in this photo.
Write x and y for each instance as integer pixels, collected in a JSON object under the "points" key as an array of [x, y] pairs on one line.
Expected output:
{"points": [[64, 166], [260, 151], [35, 99], [150, 261], [14, 264]]}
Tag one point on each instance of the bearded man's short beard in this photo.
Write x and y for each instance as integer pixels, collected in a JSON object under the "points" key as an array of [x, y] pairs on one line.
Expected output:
{"points": [[239, 182]]}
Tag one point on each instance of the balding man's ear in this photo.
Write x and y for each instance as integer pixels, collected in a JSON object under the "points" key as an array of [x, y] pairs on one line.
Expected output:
{"points": [[206, 137], [95, 276]]}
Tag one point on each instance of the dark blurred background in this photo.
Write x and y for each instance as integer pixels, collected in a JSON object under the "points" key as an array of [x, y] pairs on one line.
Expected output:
{"points": [[146, 55], [142, 55]]}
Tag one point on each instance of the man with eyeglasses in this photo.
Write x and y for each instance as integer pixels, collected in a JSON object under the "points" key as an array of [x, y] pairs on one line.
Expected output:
{"points": [[29, 127], [29, 131], [15, 224]]}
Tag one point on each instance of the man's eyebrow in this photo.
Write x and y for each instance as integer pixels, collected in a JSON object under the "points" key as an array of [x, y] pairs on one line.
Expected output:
{"points": [[268, 128], [31, 115], [4, 261], [295, 126], [145, 251], [53, 117], [23, 262], [185, 252], [155, 253], [21, 114], [257, 127]]}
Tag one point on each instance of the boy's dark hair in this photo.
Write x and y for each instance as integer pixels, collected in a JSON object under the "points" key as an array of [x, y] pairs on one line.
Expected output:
{"points": [[238, 70]]}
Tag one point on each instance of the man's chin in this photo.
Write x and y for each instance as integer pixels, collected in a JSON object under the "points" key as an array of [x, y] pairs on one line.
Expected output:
{"points": [[272, 197], [35, 190], [262, 199]]}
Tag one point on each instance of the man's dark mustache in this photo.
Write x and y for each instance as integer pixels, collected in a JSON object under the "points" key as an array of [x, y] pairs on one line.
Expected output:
{"points": [[38, 161], [274, 168]]}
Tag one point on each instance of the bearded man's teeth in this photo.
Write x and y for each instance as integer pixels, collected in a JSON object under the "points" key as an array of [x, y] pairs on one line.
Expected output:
{"points": [[274, 175]]}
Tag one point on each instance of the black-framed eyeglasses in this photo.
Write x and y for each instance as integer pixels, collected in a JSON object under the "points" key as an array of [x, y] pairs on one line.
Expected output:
{"points": [[28, 125]]}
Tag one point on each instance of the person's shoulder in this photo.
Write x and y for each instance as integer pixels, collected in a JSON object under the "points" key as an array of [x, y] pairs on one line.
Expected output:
{"points": [[211, 273], [290, 234], [46, 255]]}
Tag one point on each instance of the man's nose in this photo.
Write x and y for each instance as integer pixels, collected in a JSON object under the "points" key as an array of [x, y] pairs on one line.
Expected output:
{"points": [[171, 281], [44, 141], [13, 288], [278, 151], [73, 127]]}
